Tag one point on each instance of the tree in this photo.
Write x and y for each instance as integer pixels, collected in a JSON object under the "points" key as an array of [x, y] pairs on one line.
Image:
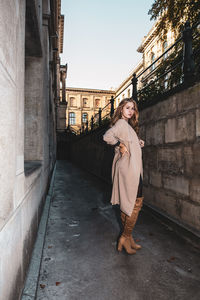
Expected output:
{"points": [[174, 13]]}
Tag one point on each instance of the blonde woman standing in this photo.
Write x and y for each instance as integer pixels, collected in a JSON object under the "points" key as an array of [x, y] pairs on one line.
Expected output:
{"points": [[127, 171]]}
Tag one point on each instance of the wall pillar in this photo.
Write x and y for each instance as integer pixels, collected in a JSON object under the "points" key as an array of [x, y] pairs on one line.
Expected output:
{"points": [[62, 105]]}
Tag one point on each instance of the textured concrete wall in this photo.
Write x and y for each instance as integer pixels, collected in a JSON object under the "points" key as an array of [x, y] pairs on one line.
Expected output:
{"points": [[171, 130], [61, 116], [171, 157], [27, 133], [33, 145]]}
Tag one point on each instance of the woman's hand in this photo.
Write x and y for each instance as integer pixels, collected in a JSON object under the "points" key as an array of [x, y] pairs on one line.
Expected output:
{"points": [[141, 142], [123, 149]]}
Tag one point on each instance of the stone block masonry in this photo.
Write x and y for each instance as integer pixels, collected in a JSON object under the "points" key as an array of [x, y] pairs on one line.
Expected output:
{"points": [[172, 157], [27, 135]]}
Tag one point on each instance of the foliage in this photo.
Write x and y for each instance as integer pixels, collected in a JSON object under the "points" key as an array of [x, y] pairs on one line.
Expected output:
{"points": [[174, 13], [157, 84], [196, 50], [104, 121], [171, 14]]}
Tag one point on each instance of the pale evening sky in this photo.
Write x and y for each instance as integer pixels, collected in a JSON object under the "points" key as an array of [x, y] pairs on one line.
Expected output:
{"points": [[101, 38]]}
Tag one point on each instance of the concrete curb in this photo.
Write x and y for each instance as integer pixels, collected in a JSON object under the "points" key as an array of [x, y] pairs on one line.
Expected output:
{"points": [[182, 231], [31, 283]]}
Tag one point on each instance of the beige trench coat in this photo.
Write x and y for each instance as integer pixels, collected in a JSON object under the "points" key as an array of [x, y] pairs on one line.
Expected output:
{"points": [[126, 169]]}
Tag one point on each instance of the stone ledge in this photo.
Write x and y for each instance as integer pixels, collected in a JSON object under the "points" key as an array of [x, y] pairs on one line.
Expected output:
{"points": [[186, 233], [31, 282], [31, 166]]}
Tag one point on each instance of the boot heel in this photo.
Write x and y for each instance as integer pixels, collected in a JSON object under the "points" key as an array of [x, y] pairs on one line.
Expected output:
{"points": [[125, 243], [120, 246]]}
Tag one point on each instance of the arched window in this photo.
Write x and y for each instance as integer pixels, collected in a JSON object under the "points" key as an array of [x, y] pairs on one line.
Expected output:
{"points": [[85, 102], [97, 103], [84, 117], [72, 101], [72, 118], [153, 57], [165, 46]]}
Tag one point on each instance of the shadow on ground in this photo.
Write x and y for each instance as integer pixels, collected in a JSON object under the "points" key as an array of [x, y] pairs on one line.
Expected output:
{"points": [[80, 261]]}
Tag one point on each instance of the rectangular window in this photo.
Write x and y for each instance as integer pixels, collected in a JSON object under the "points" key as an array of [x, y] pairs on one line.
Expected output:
{"points": [[84, 117], [72, 118]]}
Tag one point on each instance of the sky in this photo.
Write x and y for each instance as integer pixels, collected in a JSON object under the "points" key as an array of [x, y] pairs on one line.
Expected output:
{"points": [[101, 38]]}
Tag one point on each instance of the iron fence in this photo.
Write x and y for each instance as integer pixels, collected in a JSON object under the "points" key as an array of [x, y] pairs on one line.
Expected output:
{"points": [[178, 66]]}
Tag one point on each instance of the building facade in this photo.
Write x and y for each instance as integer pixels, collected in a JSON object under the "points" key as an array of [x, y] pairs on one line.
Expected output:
{"points": [[78, 105], [85, 103], [31, 40], [152, 46], [125, 89]]}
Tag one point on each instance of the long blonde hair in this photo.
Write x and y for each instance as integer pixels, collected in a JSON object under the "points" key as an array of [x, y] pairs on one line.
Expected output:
{"points": [[133, 121]]}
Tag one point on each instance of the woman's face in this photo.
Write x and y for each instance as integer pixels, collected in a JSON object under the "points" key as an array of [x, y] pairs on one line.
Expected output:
{"points": [[128, 110]]}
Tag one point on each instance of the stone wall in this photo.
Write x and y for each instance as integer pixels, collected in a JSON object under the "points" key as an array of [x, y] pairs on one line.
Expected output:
{"points": [[171, 130], [92, 154], [27, 136], [171, 157]]}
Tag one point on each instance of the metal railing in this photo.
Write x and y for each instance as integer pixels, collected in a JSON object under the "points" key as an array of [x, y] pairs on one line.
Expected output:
{"points": [[182, 59]]}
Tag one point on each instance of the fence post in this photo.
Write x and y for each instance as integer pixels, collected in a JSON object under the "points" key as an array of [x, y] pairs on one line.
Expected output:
{"points": [[112, 106], [100, 117], [92, 123], [134, 92], [188, 60], [82, 128]]}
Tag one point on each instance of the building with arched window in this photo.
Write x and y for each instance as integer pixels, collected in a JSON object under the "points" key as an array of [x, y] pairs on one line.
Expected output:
{"points": [[85, 103], [89, 101], [72, 118], [152, 46]]}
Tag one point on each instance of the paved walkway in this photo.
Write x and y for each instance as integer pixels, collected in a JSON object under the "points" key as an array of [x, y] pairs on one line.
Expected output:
{"points": [[80, 261]]}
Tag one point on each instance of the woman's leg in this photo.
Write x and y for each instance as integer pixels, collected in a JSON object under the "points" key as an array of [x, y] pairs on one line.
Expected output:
{"points": [[140, 186], [136, 210], [129, 222], [124, 241]]}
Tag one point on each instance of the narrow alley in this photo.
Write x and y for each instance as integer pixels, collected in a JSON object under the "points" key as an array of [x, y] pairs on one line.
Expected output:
{"points": [[80, 260]]}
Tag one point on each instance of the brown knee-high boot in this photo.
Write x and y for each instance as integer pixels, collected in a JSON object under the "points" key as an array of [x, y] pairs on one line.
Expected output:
{"points": [[124, 241], [129, 224], [136, 210]]}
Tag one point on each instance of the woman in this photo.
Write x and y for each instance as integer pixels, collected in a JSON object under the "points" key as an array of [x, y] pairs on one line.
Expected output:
{"points": [[127, 171]]}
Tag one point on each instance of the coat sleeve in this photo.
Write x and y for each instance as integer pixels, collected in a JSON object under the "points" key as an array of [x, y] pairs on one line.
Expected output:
{"points": [[112, 135]]}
